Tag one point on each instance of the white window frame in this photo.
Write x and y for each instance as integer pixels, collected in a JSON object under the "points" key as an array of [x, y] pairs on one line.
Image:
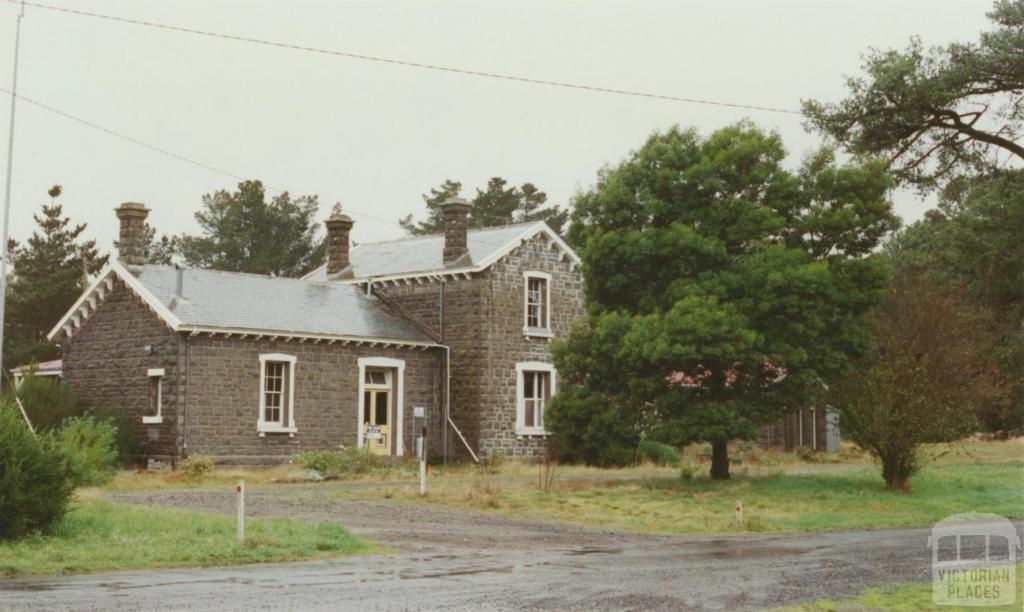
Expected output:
{"points": [[521, 368], [262, 426], [545, 330], [157, 373], [397, 383]]}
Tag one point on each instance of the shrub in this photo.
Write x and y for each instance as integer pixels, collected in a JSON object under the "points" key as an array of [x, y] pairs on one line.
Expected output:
{"points": [[126, 442], [47, 402], [341, 464], [493, 462], [196, 467], [687, 471], [658, 452], [89, 446], [805, 453], [924, 381], [589, 429], [35, 478]]}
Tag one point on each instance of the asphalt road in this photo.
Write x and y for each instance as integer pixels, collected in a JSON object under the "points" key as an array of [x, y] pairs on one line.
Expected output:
{"points": [[455, 560]]}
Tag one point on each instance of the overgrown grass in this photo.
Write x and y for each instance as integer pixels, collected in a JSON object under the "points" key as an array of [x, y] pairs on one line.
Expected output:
{"points": [[100, 536], [849, 499], [908, 596]]}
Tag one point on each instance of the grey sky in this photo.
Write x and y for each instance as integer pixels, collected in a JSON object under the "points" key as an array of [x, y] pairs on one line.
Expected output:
{"points": [[376, 136]]}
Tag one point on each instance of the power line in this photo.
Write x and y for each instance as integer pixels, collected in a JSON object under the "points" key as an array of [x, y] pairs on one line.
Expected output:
{"points": [[7, 194], [408, 63], [174, 155], [135, 141], [161, 150]]}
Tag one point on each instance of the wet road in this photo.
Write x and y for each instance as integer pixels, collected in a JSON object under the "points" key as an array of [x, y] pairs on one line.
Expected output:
{"points": [[612, 571]]}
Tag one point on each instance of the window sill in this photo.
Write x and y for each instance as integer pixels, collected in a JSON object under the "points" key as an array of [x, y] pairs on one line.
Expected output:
{"points": [[538, 332], [276, 429], [152, 420], [531, 431]]}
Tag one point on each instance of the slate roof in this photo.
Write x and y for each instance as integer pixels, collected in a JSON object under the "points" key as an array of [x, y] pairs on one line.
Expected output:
{"points": [[232, 302], [287, 305], [424, 253]]}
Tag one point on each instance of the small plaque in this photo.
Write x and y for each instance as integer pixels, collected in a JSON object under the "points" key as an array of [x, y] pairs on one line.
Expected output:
{"points": [[373, 433], [418, 411]]}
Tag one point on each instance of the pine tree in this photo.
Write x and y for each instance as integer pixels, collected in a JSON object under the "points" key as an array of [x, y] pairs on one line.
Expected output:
{"points": [[49, 273], [498, 204], [243, 232]]}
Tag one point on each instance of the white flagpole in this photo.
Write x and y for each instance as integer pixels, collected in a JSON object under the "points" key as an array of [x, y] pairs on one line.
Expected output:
{"points": [[7, 189]]}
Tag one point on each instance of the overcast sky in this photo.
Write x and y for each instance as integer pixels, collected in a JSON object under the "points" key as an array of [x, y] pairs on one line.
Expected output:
{"points": [[376, 136]]}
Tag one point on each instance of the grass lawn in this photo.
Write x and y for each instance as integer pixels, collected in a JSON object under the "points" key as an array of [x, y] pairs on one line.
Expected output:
{"points": [[848, 499], [99, 536], [911, 596]]}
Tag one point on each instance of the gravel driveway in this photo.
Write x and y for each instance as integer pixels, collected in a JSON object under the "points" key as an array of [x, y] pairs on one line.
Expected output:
{"points": [[453, 560]]}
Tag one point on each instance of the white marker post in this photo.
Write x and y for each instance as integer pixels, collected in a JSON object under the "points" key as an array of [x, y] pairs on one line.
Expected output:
{"points": [[739, 513], [421, 451], [240, 490]]}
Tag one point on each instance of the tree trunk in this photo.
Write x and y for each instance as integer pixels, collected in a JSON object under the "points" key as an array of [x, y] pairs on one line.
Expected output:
{"points": [[895, 475], [720, 460]]}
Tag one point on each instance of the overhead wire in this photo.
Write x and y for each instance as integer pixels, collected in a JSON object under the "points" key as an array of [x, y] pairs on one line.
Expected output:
{"points": [[407, 63], [349, 55], [183, 158]]}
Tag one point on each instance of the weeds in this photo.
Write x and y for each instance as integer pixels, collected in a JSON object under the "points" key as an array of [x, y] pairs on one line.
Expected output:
{"points": [[342, 464], [658, 453]]}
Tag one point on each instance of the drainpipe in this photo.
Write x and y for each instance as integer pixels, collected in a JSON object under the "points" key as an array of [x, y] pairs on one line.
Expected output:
{"points": [[447, 369], [447, 395], [184, 409]]}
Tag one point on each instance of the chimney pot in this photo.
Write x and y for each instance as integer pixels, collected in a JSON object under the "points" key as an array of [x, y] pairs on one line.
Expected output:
{"points": [[456, 227], [339, 225], [131, 241]]}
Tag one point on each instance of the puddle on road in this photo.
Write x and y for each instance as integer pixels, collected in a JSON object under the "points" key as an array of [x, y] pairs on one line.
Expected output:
{"points": [[27, 586], [505, 569], [593, 550], [734, 551]]}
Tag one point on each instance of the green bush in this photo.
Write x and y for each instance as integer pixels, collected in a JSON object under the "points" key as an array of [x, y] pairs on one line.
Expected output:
{"points": [[806, 453], [589, 429], [48, 402], [658, 453], [687, 471], [35, 479], [493, 462], [196, 467], [341, 464], [89, 446], [126, 443]]}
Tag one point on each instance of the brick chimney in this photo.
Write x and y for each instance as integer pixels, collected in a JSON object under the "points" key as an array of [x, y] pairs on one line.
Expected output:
{"points": [[456, 226], [338, 227], [131, 241]]}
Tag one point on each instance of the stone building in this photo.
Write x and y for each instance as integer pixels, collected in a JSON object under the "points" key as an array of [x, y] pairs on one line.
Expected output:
{"points": [[447, 332]]}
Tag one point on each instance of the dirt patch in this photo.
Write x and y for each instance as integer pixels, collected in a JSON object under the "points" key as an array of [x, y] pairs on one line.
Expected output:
{"points": [[420, 528]]}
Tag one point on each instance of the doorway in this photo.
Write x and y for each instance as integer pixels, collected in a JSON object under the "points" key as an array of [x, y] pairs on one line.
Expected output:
{"points": [[377, 409]]}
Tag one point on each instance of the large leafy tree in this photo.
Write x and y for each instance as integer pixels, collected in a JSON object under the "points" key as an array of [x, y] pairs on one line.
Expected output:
{"points": [[919, 385], [951, 118], [243, 232], [975, 240], [940, 112], [49, 273], [497, 204], [721, 287]]}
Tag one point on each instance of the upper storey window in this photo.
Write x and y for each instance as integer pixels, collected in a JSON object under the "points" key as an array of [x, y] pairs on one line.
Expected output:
{"points": [[537, 304]]}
